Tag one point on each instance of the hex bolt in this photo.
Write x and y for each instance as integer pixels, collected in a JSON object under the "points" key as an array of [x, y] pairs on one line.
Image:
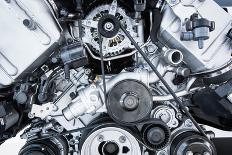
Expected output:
{"points": [[100, 138], [188, 123], [179, 116], [30, 115], [30, 24], [93, 98], [87, 71], [122, 139]]}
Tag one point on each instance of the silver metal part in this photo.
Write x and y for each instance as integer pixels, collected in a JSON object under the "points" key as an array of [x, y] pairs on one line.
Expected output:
{"points": [[229, 97], [167, 115], [116, 135], [116, 45], [78, 101], [181, 93], [30, 45], [173, 57], [186, 126], [87, 102], [41, 111], [216, 52]]}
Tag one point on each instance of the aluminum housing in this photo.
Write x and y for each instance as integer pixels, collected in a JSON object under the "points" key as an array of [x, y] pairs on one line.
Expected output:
{"points": [[216, 52], [28, 33]]}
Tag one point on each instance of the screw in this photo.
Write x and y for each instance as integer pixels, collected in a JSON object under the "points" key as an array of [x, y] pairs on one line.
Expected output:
{"points": [[87, 71], [100, 138], [122, 139], [2, 121], [54, 108], [109, 26], [30, 24], [93, 98], [30, 115]]}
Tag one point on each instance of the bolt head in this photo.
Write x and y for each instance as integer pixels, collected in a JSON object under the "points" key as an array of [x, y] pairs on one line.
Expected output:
{"points": [[188, 123], [109, 26], [100, 138], [189, 153], [122, 139]]}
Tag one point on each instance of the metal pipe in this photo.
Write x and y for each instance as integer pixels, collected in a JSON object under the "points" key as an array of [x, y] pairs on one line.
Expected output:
{"points": [[184, 92]]}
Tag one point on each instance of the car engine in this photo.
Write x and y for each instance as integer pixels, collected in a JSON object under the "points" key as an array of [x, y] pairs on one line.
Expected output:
{"points": [[115, 77]]}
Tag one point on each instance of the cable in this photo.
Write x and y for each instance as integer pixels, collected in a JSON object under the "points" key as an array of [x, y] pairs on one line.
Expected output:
{"points": [[178, 101], [102, 66]]}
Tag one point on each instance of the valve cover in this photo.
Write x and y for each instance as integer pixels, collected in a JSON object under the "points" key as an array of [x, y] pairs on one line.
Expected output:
{"points": [[30, 26]]}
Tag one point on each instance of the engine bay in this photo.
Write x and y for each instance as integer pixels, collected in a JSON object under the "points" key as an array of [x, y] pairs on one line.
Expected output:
{"points": [[115, 77]]}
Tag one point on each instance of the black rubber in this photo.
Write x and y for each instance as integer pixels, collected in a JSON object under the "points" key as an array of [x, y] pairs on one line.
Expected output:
{"points": [[156, 134], [112, 19], [44, 147]]}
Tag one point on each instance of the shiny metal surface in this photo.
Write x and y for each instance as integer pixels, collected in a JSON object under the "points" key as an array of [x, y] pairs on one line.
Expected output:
{"points": [[173, 24], [30, 46]]}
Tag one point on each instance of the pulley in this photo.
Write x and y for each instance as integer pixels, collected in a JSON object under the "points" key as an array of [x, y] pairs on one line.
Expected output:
{"points": [[53, 146], [129, 102], [190, 143], [110, 140], [156, 134], [108, 26]]}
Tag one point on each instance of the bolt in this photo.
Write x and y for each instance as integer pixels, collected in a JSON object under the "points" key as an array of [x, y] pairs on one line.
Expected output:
{"points": [[30, 115], [93, 98], [87, 71], [189, 153], [206, 153], [54, 108], [54, 60], [188, 123], [30, 24], [100, 138], [8, 1], [2, 121], [122, 139], [109, 26], [92, 86]]}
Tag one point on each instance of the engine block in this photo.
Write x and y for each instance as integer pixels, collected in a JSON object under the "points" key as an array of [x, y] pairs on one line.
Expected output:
{"points": [[33, 30]]}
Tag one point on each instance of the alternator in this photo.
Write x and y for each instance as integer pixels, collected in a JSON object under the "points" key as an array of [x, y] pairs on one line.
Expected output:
{"points": [[111, 46]]}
